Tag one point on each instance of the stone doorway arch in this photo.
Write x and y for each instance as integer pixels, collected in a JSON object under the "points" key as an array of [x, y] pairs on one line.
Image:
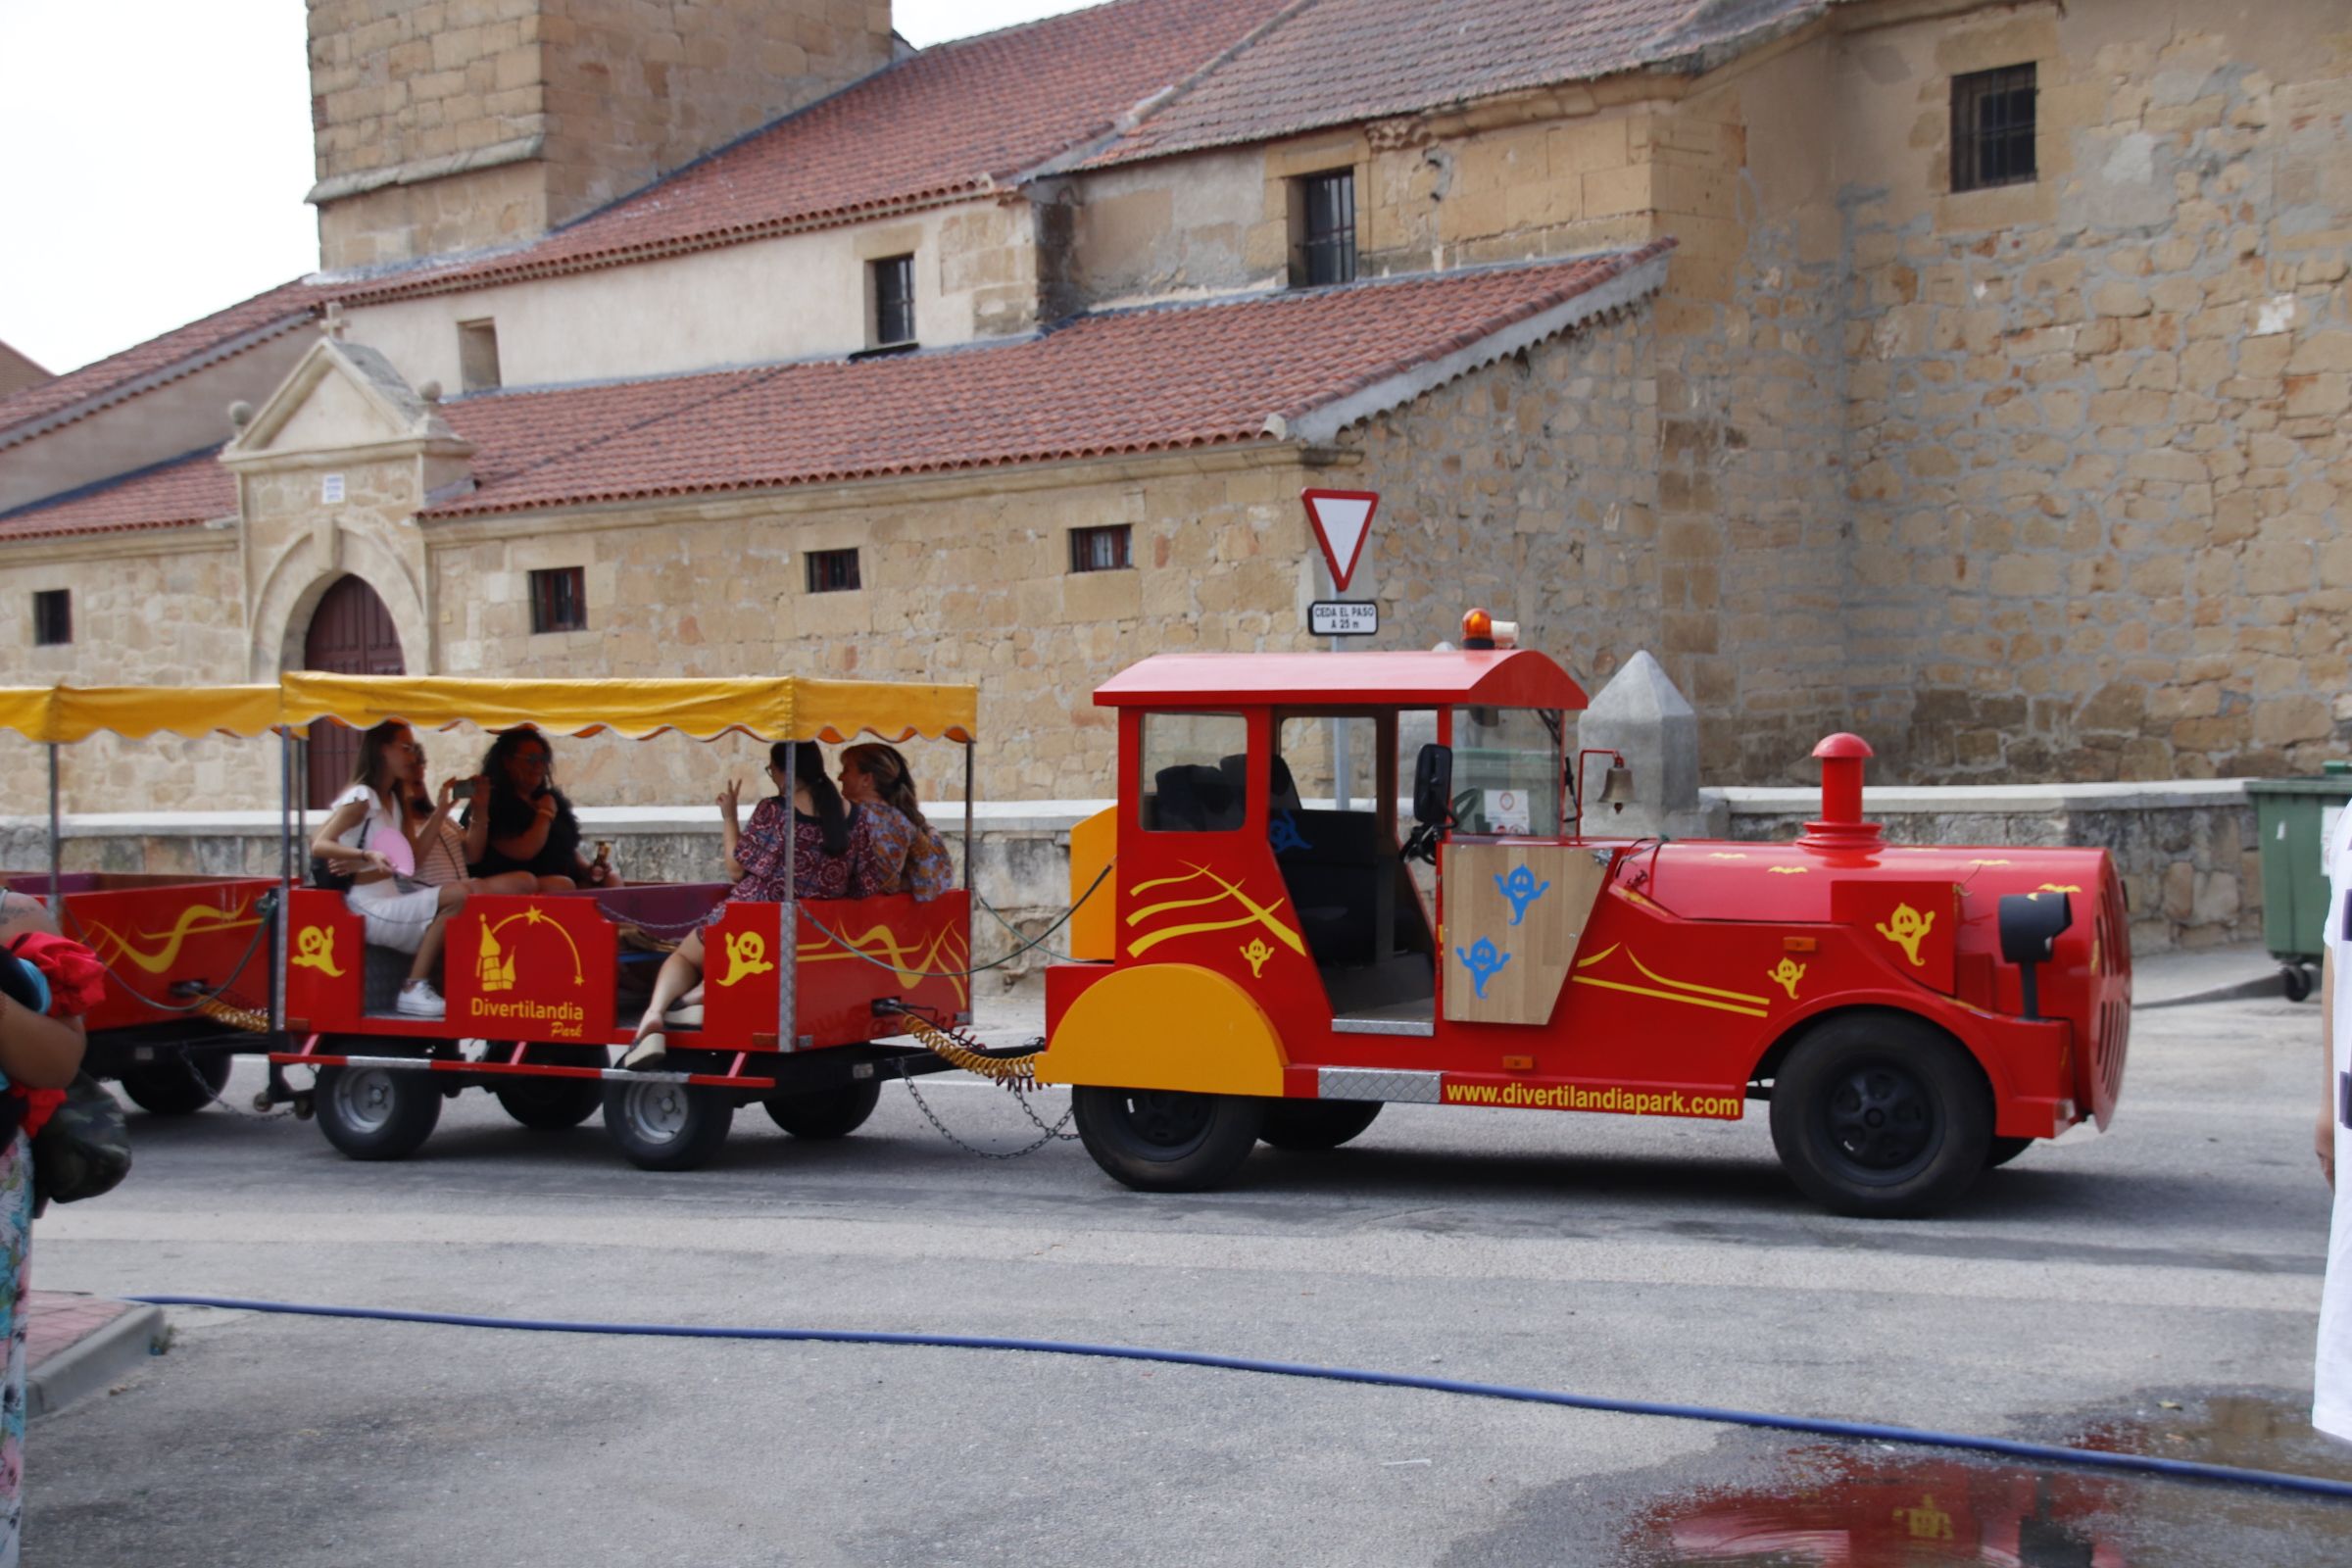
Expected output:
{"points": [[351, 633]]}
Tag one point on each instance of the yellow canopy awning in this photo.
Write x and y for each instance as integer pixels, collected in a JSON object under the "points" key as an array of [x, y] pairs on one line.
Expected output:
{"points": [[769, 708], [25, 710], [136, 712], [62, 714]]}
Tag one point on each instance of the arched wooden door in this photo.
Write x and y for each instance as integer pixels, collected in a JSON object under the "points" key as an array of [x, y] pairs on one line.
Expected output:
{"points": [[351, 634]]}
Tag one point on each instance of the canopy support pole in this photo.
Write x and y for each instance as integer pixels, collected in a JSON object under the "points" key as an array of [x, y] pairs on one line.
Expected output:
{"points": [[967, 817], [285, 877], [788, 962], [57, 843]]}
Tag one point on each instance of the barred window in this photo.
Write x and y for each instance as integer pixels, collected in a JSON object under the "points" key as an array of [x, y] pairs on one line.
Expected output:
{"points": [[1323, 226], [1992, 128], [832, 571], [1103, 548], [52, 616], [558, 600], [893, 281]]}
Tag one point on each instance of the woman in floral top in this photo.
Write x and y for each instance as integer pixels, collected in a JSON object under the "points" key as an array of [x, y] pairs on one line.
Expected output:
{"points": [[893, 849], [806, 855]]}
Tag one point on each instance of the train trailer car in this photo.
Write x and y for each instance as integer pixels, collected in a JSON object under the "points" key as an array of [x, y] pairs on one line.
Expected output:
{"points": [[803, 1000], [188, 976], [1264, 962], [187, 956]]}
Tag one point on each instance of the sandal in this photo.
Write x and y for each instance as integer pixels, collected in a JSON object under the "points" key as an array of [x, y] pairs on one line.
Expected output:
{"points": [[646, 1051]]}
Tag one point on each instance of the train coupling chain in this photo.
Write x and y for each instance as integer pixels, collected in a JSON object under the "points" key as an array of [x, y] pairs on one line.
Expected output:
{"points": [[1015, 1072]]}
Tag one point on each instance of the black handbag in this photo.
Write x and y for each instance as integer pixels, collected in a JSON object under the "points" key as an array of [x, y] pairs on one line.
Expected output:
{"points": [[83, 1149]]}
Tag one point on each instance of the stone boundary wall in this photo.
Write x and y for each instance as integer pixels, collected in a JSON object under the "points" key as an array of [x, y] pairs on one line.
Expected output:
{"points": [[2185, 849]]}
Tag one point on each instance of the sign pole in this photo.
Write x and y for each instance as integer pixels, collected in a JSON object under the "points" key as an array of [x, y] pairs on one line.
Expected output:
{"points": [[1342, 766]]}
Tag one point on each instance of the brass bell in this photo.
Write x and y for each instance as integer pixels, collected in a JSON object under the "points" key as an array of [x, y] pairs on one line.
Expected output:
{"points": [[1617, 790]]}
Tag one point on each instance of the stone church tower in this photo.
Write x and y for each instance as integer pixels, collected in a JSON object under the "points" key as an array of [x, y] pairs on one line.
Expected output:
{"points": [[456, 124]]}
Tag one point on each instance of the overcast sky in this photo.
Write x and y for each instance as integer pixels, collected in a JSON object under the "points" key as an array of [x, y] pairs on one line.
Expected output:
{"points": [[154, 156]]}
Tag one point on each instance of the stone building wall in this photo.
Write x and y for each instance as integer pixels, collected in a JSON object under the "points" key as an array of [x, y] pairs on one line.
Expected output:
{"points": [[964, 579], [145, 613], [1529, 489], [976, 269], [2093, 442], [459, 123]]}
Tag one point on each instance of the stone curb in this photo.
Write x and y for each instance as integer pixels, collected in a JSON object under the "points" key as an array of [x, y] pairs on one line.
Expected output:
{"points": [[95, 1361]]}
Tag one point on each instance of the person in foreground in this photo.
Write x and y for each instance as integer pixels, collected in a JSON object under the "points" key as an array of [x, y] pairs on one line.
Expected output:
{"points": [[2331, 1372], [46, 983], [803, 852]]}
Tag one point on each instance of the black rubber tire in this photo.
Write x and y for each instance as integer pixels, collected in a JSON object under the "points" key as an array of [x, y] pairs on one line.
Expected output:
{"points": [[821, 1114], [2295, 981], [1879, 1114], [551, 1104], [179, 1086], [377, 1112], [665, 1126], [2002, 1150], [1311, 1126], [1165, 1139]]}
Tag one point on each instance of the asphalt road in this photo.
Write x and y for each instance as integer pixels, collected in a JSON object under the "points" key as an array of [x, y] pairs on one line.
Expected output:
{"points": [[2151, 1287]]}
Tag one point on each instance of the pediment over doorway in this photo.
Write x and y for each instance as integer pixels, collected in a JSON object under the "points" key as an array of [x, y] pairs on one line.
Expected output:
{"points": [[343, 398]]}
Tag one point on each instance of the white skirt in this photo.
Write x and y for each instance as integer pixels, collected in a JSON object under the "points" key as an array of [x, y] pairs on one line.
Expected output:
{"points": [[397, 910]]}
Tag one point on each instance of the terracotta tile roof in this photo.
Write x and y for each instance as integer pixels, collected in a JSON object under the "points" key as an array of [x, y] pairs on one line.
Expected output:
{"points": [[1338, 62], [185, 490], [158, 360], [953, 121], [1128, 382]]}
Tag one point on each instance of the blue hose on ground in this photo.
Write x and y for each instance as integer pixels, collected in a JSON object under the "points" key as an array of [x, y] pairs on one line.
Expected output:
{"points": [[2006, 1447]]}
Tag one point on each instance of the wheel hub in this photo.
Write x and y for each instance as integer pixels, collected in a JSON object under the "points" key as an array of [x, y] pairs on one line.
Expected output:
{"points": [[1882, 1119], [1168, 1119], [657, 1112], [364, 1096]]}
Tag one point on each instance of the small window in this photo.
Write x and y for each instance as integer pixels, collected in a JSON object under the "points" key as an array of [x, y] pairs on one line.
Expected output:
{"points": [[1323, 229], [1100, 549], [478, 356], [558, 600], [1195, 772], [832, 571], [52, 616], [893, 284], [1992, 128]]}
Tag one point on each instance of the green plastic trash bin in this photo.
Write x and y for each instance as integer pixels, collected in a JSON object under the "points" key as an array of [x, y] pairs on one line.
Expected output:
{"points": [[2292, 819]]}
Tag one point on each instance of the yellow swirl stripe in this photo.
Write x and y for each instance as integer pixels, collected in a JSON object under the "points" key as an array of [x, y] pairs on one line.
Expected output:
{"points": [[1672, 995], [194, 921], [1749, 997]]}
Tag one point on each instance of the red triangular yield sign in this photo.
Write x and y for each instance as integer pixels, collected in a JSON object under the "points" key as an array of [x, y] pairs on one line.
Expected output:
{"points": [[1342, 522]]}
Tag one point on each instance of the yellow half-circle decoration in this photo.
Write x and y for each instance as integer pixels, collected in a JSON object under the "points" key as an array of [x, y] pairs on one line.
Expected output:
{"points": [[1166, 1026]]}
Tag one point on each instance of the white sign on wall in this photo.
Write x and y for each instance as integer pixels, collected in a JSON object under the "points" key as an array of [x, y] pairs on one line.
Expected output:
{"points": [[330, 490]]}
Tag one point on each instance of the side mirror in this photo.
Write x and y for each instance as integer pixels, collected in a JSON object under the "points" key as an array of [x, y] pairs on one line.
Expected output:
{"points": [[1433, 786]]}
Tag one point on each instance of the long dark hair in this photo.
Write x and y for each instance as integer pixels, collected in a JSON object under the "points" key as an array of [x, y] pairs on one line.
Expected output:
{"points": [[508, 742], [808, 772], [891, 778], [375, 750]]}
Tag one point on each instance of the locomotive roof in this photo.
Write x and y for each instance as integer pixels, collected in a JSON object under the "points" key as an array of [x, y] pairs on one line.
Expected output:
{"points": [[1504, 677]]}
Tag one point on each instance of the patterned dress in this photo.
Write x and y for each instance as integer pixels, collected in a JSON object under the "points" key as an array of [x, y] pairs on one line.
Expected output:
{"points": [[762, 852], [15, 1241], [892, 854]]}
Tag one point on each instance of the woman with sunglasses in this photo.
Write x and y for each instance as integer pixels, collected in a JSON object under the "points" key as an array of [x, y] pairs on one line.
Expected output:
{"points": [[531, 826], [806, 853], [366, 837]]}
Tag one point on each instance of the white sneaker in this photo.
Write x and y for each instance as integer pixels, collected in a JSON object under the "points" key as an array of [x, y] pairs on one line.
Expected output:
{"points": [[418, 999]]}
